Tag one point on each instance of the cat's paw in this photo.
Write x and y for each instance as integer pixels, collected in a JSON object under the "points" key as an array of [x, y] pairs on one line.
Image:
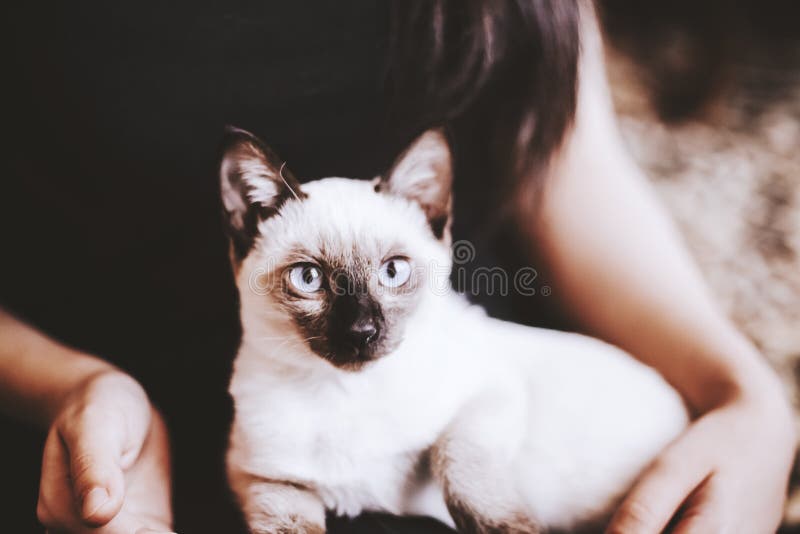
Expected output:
{"points": [[287, 525], [472, 517], [273, 507], [479, 499]]}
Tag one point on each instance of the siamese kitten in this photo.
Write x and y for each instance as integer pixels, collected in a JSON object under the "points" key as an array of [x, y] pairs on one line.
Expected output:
{"points": [[364, 383]]}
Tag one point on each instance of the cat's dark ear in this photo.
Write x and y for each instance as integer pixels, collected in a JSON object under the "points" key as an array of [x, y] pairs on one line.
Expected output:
{"points": [[254, 183], [424, 174]]}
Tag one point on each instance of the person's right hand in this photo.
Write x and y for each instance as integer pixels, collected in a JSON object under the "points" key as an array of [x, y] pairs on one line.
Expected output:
{"points": [[106, 462]]}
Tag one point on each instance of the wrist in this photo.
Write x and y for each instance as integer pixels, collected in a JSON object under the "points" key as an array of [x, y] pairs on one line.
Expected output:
{"points": [[728, 369], [751, 382], [100, 382], [74, 371], [765, 391]]}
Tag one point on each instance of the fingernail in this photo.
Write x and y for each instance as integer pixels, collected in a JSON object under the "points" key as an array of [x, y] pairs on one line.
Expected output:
{"points": [[93, 501]]}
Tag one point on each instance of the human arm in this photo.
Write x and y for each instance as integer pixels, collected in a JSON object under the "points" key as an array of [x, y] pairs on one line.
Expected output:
{"points": [[620, 268], [106, 460]]}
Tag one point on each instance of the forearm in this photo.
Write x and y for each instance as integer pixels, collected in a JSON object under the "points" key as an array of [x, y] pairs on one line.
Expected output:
{"points": [[620, 266], [38, 373], [624, 274]]}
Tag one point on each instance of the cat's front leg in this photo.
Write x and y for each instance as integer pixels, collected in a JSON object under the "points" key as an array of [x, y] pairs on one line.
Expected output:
{"points": [[474, 461], [273, 507]]}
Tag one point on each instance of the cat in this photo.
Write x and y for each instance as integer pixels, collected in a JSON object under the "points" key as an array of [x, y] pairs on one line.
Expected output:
{"points": [[364, 383]]}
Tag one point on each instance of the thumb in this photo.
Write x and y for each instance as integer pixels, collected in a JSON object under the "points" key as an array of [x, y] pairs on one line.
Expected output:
{"points": [[94, 443], [661, 489], [702, 511]]}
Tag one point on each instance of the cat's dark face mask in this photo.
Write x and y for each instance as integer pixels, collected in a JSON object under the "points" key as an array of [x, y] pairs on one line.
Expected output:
{"points": [[350, 309], [351, 326]]}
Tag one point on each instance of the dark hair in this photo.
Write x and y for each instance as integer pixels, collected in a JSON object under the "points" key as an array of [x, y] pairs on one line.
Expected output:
{"points": [[504, 71]]}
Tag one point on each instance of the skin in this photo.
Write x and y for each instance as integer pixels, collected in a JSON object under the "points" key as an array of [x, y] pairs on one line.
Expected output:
{"points": [[624, 274], [618, 265], [105, 466]]}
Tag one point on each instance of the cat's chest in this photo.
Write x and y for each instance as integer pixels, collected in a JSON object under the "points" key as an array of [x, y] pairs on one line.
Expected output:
{"points": [[358, 449], [370, 476], [336, 434]]}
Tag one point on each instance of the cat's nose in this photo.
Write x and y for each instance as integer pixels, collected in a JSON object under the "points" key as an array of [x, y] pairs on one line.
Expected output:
{"points": [[362, 333]]}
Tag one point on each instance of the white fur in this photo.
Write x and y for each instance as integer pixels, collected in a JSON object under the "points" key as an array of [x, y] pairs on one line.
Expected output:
{"points": [[568, 421]]}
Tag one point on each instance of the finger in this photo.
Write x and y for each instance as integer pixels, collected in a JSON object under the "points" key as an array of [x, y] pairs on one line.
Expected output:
{"points": [[125, 523], [702, 512], [95, 442], [150, 495], [700, 523], [55, 508], [661, 490]]}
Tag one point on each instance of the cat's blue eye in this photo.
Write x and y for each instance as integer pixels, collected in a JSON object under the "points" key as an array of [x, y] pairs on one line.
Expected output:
{"points": [[394, 272], [306, 278]]}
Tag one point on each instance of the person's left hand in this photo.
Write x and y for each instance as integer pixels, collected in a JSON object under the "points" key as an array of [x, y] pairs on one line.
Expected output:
{"points": [[727, 473]]}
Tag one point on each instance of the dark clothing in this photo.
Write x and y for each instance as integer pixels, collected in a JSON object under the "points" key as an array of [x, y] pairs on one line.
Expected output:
{"points": [[109, 210]]}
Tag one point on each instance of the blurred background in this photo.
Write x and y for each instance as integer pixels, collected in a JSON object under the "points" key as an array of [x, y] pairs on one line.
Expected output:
{"points": [[708, 97]]}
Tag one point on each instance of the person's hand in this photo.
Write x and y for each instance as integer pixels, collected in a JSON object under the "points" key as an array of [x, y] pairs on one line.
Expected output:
{"points": [[727, 473], [105, 468]]}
